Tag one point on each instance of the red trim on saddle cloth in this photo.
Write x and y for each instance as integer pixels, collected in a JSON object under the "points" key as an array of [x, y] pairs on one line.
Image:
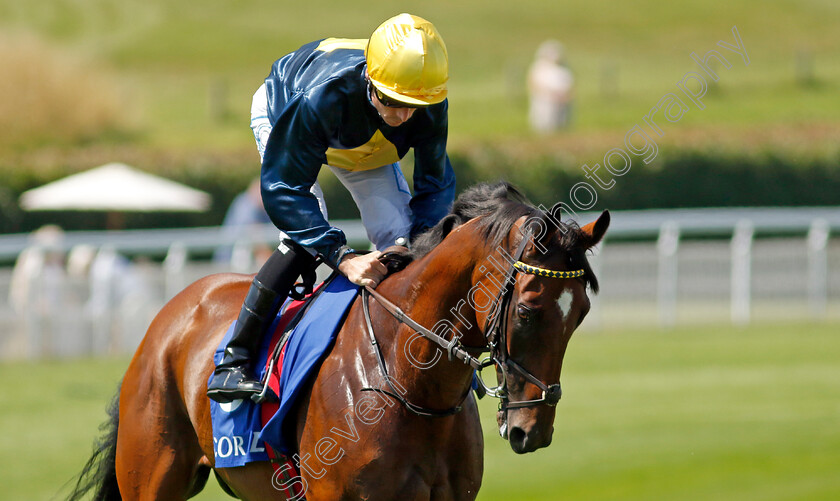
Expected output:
{"points": [[285, 470], [286, 478]]}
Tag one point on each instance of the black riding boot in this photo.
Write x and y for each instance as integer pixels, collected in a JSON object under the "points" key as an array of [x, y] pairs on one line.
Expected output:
{"points": [[233, 378]]}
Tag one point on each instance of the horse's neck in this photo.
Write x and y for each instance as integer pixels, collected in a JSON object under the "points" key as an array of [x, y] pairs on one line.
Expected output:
{"points": [[433, 292]]}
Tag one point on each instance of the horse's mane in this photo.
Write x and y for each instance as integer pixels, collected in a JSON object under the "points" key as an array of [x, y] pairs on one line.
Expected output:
{"points": [[500, 205]]}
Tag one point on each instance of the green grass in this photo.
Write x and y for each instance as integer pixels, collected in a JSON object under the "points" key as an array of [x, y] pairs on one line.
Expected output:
{"points": [[51, 411], [688, 414], [168, 55]]}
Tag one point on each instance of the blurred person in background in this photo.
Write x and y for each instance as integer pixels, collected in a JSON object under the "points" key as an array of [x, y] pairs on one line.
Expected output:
{"points": [[550, 88], [245, 212], [118, 291], [357, 106], [36, 288]]}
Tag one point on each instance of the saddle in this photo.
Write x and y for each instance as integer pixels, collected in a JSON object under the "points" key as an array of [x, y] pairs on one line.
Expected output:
{"points": [[395, 259], [276, 430], [298, 340]]}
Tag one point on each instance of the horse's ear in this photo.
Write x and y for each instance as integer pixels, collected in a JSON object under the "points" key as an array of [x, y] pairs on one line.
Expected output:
{"points": [[555, 211], [552, 217], [547, 227], [594, 231], [448, 224]]}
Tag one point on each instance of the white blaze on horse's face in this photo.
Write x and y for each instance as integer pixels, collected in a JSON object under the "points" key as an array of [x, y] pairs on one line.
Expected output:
{"points": [[565, 303]]}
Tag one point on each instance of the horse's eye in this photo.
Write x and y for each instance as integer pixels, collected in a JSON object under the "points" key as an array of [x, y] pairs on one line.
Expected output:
{"points": [[524, 313]]}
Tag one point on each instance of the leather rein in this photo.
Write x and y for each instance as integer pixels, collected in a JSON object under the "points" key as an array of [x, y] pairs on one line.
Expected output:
{"points": [[495, 332]]}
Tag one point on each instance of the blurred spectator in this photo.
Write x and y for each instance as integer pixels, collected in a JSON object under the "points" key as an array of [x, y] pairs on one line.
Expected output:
{"points": [[112, 277], [244, 212], [550, 88], [118, 294], [35, 291]]}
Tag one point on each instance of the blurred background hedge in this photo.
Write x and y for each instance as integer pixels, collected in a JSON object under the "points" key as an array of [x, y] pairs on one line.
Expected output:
{"points": [[677, 178]]}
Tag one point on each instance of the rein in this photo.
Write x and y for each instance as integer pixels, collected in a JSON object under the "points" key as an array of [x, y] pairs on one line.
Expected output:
{"points": [[495, 333], [452, 348]]}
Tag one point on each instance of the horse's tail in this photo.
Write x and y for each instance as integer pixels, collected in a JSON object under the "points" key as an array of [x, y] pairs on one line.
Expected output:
{"points": [[100, 472]]}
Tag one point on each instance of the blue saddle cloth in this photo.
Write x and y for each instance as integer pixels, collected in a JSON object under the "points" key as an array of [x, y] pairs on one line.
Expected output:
{"points": [[238, 435]]}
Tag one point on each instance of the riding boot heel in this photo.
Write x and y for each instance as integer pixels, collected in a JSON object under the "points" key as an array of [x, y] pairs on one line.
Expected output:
{"points": [[233, 378]]}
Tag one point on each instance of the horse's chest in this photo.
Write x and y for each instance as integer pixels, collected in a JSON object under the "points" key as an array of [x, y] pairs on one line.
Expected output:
{"points": [[412, 463], [396, 478], [395, 460]]}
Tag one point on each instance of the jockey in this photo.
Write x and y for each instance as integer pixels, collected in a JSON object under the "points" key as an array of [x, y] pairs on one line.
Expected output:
{"points": [[357, 106]]}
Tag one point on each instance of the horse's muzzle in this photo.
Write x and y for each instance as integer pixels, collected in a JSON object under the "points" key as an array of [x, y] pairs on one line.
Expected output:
{"points": [[523, 442]]}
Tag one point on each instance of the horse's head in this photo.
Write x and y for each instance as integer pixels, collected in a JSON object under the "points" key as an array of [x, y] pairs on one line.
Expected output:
{"points": [[545, 303], [530, 276]]}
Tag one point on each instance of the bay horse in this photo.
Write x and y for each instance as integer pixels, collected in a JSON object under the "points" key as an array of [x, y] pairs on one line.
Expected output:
{"points": [[495, 274]]}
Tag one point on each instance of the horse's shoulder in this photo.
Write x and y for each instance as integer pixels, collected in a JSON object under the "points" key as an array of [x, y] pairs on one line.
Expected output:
{"points": [[217, 285], [223, 280], [201, 305]]}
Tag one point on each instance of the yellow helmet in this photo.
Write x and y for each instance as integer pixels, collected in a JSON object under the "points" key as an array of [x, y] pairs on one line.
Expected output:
{"points": [[407, 61]]}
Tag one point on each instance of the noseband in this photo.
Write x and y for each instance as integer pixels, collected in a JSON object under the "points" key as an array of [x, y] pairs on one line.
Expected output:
{"points": [[495, 332]]}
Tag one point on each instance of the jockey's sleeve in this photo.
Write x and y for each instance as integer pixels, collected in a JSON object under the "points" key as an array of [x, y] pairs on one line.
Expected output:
{"points": [[294, 153], [434, 178]]}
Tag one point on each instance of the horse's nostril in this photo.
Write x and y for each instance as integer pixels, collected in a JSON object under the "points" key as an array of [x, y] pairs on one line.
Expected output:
{"points": [[516, 436]]}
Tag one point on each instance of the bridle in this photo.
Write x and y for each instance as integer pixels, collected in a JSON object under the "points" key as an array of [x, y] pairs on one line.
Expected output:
{"points": [[495, 332]]}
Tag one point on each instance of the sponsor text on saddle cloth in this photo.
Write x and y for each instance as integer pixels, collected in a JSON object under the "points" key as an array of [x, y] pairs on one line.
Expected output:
{"points": [[238, 433]]}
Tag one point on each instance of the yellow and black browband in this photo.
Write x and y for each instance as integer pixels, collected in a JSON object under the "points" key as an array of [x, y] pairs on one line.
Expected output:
{"points": [[542, 272]]}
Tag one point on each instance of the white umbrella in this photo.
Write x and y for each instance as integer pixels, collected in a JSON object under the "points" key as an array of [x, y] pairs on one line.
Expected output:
{"points": [[115, 187]]}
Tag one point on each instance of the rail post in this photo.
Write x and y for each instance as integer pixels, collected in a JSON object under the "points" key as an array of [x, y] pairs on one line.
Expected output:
{"points": [[173, 266], [818, 267], [741, 273], [666, 289]]}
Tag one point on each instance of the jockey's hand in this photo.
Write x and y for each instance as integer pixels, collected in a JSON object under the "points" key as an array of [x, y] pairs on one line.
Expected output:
{"points": [[363, 269]]}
